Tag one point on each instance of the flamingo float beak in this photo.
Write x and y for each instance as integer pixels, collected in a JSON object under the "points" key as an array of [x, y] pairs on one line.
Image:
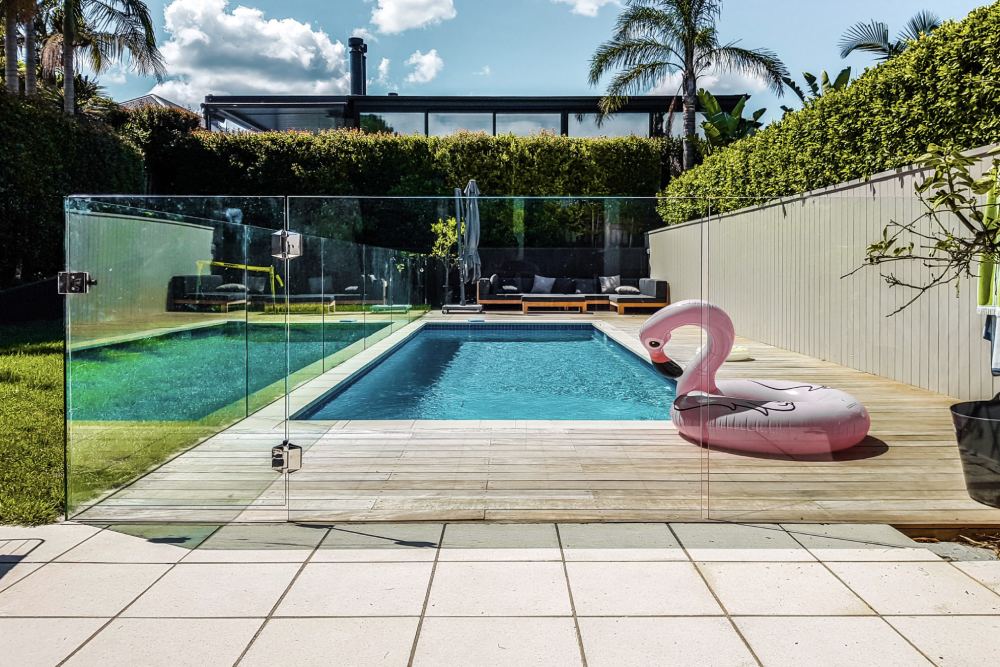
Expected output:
{"points": [[664, 364]]}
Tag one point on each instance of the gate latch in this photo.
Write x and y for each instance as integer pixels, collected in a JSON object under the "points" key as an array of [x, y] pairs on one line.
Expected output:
{"points": [[286, 244], [286, 457], [74, 282]]}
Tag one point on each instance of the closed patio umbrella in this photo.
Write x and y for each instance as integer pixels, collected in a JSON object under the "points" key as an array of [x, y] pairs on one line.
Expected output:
{"points": [[470, 266]]}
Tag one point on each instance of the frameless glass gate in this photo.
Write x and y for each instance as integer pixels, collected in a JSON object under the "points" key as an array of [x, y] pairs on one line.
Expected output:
{"points": [[176, 359]]}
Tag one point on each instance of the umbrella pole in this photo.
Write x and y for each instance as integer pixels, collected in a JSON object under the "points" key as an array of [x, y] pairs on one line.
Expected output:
{"points": [[458, 234]]}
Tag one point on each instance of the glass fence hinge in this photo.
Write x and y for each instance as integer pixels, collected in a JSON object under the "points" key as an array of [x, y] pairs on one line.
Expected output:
{"points": [[286, 457], [286, 244], [74, 282]]}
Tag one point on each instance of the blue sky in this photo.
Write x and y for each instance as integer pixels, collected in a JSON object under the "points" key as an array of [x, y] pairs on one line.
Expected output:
{"points": [[465, 47]]}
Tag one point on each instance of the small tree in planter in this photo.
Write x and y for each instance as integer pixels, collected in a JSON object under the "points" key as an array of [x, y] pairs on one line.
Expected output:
{"points": [[962, 237]]}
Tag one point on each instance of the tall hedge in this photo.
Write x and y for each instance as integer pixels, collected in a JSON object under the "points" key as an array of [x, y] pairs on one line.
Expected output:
{"points": [[45, 156], [354, 163], [944, 89]]}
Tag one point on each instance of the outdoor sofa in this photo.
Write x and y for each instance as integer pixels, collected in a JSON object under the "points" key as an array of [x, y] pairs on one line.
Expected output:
{"points": [[585, 294]]}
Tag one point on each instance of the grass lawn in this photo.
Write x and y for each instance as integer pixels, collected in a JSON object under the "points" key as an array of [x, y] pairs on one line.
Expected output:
{"points": [[31, 422]]}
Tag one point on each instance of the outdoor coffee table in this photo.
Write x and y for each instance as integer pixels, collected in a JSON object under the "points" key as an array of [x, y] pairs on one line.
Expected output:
{"points": [[529, 301]]}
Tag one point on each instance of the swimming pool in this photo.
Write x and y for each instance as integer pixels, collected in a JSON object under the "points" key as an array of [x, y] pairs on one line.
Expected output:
{"points": [[486, 371], [187, 375]]}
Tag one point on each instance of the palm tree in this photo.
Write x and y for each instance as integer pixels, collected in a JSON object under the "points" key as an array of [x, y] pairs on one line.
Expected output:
{"points": [[817, 90], [873, 37], [656, 38], [105, 31], [10, 12]]}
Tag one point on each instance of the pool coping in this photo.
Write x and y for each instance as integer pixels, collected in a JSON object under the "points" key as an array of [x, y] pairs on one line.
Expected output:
{"points": [[352, 369]]}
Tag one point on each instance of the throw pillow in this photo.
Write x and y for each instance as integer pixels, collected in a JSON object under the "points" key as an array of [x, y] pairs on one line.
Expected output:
{"points": [[351, 288], [231, 287], [510, 289], [564, 286], [627, 289], [494, 284], [542, 285], [610, 283]]}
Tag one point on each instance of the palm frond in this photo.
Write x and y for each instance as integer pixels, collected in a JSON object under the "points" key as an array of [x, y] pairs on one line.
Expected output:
{"points": [[790, 82], [923, 22], [762, 63], [627, 53], [811, 82], [868, 37]]}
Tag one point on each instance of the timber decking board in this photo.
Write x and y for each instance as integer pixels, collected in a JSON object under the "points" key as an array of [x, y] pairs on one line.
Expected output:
{"points": [[908, 473]]}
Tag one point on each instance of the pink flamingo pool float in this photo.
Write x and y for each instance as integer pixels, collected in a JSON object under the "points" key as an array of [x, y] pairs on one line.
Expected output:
{"points": [[772, 416]]}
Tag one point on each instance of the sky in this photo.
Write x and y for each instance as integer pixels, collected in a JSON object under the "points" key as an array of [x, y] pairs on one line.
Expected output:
{"points": [[468, 47]]}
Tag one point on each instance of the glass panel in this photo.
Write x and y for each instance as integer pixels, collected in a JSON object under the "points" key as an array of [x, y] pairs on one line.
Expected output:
{"points": [[441, 124], [398, 123], [158, 361], [525, 124], [617, 125]]}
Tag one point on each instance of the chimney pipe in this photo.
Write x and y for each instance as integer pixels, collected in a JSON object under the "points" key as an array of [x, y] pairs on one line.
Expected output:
{"points": [[358, 48]]}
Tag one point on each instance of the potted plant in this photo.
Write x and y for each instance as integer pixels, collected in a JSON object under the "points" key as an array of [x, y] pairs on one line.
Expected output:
{"points": [[962, 241]]}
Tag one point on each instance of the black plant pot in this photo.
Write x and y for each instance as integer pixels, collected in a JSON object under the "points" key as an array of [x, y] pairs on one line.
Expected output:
{"points": [[977, 425]]}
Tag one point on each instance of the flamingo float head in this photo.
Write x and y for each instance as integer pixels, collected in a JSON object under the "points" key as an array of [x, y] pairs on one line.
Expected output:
{"points": [[700, 374]]}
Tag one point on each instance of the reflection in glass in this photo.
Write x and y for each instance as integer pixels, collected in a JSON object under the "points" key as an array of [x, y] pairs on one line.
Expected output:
{"points": [[617, 125], [526, 124], [395, 123], [442, 124]]}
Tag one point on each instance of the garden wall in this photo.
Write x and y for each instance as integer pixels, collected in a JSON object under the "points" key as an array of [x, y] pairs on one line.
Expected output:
{"points": [[776, 270]]}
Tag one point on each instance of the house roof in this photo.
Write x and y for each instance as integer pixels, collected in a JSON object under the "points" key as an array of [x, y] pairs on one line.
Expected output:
{"points": [[151, 100]]}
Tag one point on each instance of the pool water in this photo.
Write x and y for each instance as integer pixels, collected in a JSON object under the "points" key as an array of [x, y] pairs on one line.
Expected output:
{"points": [[503, 372], [187, 375]]}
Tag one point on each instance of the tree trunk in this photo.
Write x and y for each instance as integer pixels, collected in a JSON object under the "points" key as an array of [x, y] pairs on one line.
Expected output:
{"points": [[30, 59], [690, 106], [69, 93], [10, 47]]}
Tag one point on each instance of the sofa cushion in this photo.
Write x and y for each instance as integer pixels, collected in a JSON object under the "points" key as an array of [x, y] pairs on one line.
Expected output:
{"points": [[586, 286], [609, 283], [542, 285], [564, 286], [655, 288]]}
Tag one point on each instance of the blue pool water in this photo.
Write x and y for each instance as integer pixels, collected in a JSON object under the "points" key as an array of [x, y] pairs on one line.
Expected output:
{"points": [[503, 372], [190, 374]]}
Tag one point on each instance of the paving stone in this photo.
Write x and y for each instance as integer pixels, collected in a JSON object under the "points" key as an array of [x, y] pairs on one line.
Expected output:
{"points": [[346, 642], [639, 588], [739, 542], [806, 589], [499, 642], [827, 642], [78, 589], [358, 589], [619, 542], [372, 542], [499, 589], [858, 542], [917, 588], [500, 541], [953, 641], [32, 642], [638, 642]]}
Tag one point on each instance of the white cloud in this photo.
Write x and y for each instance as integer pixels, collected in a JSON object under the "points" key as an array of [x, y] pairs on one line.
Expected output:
{"points": [[383, 71], [485, 71], [426, 66], [212, 50], [715, 82], [365, 34], [392, 16], [586, 7]]}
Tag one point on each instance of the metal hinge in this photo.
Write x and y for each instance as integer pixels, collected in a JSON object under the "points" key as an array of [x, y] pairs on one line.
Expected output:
{"points": [[286, 457], [74, 282], [286, 244]]}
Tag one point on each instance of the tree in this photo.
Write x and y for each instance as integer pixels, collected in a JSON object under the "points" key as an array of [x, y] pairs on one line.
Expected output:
{"points": [[105, 31], [817, 90], [11, 9], [656, 38], [873, 37], [723, 128]]}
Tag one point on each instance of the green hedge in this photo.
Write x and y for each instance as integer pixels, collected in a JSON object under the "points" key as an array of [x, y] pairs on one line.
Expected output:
{"points": [[46, 156], [356, 163], [944, 89]]}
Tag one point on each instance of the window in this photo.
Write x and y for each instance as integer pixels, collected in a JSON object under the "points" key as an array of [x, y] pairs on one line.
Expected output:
{"points": [[440, 124], [615, 125], [397, 123], [525, 124]]}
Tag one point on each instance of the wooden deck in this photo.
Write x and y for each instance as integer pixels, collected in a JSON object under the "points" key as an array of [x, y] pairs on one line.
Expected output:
{"points": [[906, 473]]}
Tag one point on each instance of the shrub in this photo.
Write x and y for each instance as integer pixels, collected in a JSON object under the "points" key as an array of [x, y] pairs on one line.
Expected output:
{"points": [[46, 156], [944, 89]]}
